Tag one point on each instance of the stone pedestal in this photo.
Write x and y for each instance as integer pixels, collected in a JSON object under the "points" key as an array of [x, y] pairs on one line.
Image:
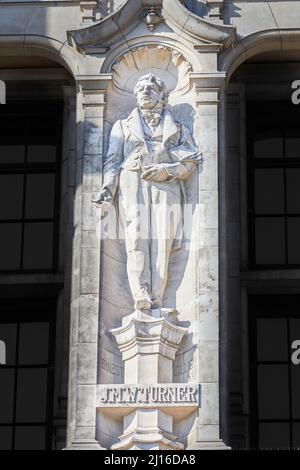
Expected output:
{"points": [[148, 430], [148, 399], [148, 344]]}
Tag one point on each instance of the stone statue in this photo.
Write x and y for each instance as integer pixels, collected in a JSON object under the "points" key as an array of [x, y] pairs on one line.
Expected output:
{"points": [[150, 156]]}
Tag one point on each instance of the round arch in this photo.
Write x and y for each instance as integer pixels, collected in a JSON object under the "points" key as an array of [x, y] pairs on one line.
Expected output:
{"points": [[257, 43], [42, 46]]}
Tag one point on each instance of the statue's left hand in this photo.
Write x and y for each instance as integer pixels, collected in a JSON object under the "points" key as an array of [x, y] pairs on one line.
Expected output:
{"points": [[103, 198], [156, 173]]}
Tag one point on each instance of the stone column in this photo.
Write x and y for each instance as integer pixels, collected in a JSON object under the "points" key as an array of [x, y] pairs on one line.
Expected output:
{"points": [[86, 265], [208, 87]]}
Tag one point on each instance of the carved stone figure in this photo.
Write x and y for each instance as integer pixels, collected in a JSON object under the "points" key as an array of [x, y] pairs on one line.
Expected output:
{"points": [[149, 158]]}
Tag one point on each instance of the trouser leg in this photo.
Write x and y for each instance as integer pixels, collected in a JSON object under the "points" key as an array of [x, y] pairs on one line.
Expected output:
{"points": [[134, 205], [138, 270], [166, 218], [159, 274]]}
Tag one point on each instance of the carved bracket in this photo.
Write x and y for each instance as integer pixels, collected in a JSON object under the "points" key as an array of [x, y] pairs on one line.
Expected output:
{"points": [[153, 18]]}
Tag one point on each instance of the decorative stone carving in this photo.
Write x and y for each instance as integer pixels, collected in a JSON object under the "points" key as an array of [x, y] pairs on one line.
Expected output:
{"points": [[148, 396], [174, 13], [152, 19], [141, 333], [150, 157], [148, 400], [170, 65]]}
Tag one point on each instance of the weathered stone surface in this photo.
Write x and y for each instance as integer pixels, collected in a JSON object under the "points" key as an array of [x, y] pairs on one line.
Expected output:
{"points": [[64, 47]]}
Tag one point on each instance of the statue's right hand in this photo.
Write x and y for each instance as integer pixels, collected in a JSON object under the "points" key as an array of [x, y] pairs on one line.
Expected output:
{"points": [[103, 198]]}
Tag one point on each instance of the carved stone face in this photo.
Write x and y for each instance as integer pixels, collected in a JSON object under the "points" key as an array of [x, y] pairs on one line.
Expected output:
{"points": [[148, 95]]}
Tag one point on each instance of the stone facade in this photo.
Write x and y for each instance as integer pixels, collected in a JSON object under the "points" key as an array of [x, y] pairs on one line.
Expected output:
{"points": [[90, 54]]}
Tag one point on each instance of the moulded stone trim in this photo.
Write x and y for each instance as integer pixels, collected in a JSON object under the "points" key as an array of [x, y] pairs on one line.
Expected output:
{"points": [[197, 27], [127, 15], [30, 44], [256, 43]]}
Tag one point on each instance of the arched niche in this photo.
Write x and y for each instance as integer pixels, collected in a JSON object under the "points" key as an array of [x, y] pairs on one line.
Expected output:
{"points": [[163, 61], [170, 64], [115, 297]]}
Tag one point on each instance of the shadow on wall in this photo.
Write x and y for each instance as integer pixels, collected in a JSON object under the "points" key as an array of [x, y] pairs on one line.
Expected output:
{"points": [[198, 7]]}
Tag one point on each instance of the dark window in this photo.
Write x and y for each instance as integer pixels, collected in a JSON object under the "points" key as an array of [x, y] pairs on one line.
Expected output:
{"points": [[30, 141], [274, 184], [26, 390], [274, 379]]}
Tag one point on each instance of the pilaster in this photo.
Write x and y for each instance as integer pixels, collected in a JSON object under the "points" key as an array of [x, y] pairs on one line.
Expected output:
{"points": [[208, 89], [86, 264]]}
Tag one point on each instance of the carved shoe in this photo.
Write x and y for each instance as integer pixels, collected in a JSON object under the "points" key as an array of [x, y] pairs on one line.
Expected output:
{"points": [[143, 303]]}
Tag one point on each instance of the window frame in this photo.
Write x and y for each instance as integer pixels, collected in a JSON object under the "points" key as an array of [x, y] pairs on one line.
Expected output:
{"points": [[282, 307], [260, 112], [28, 109], [29, 311]]}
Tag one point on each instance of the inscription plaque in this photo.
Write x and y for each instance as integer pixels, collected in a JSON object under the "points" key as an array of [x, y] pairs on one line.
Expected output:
{"points": [[160, 395]]}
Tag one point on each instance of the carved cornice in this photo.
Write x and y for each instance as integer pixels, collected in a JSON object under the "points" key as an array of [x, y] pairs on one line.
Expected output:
{"points": [[209, 81], [124, 17], [197, 27], [93, 88], [128, 14]]}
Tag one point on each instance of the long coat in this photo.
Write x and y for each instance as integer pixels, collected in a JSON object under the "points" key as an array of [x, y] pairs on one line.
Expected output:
{"points": [[128, 149], [150, 212]]}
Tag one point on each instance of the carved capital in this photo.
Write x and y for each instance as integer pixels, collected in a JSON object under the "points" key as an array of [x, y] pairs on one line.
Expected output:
{"points": [[141, 333], [208, 87], [93, 89]]}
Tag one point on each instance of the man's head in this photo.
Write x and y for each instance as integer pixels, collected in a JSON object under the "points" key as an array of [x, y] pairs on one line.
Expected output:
{"points": [[150, 92]]}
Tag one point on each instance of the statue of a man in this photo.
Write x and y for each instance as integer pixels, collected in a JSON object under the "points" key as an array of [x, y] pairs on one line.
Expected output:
{"points": [[149, 158]]}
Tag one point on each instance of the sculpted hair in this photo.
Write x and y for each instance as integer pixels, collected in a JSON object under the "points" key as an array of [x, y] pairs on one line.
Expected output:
{"points": [[149, 77]]}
